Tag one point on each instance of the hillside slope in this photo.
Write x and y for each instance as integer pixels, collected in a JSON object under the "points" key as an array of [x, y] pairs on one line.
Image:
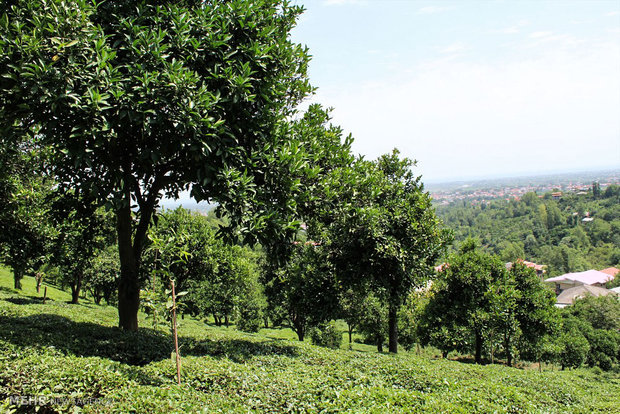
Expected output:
{"points": [[75, 352], [575, 233]]}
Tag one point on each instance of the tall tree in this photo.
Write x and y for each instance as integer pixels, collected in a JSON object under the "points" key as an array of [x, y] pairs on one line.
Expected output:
{"points": [[536, 314], [464, 298], [136, 99], [385, 235]]}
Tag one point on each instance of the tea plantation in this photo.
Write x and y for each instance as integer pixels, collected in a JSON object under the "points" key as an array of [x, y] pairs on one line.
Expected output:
{"points": [[64, 354]]}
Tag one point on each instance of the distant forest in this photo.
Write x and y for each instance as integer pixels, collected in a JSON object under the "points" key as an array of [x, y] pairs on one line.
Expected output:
{"points": [[570, 233]]}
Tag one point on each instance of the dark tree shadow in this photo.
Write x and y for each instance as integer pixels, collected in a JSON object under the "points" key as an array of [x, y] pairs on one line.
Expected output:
{"points": [[7, 290], [134, 348], [236, 350], [29, 300], [85, 338]]}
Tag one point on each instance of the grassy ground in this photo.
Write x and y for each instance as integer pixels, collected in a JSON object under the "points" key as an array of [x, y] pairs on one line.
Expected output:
{"points": [[76, 354]]}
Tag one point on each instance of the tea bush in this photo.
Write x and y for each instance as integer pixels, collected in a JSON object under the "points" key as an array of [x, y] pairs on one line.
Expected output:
{"points": [[327, 335], [75, 352]]}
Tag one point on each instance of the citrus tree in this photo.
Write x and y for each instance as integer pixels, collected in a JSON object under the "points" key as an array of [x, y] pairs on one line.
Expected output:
{"points": [[137, 99]]}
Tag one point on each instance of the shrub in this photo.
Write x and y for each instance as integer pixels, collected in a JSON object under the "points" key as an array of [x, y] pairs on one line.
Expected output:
{"points": [[601, 312], [250, 316], [575, 348], [326, 335], [603, 349]]}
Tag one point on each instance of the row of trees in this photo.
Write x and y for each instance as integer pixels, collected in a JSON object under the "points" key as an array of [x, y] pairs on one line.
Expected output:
{"points": [[44, 229], [124, 102]]}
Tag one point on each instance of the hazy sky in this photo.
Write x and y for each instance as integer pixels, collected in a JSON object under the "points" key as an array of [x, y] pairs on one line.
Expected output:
{"points": [[471, 88]]}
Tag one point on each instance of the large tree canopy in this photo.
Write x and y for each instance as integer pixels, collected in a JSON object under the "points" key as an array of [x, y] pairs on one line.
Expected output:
{"points": [[136, 99], [477, 304]]}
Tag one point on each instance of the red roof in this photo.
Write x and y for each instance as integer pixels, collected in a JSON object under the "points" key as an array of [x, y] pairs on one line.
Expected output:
{"points": [[441, 267], [611, 271], [528, 264]]}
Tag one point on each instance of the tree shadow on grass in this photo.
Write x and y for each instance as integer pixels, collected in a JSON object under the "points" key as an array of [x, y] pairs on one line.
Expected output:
{"points": [[134, 348], [236, 350], [7, 290], [85, 338], [28, 300]]}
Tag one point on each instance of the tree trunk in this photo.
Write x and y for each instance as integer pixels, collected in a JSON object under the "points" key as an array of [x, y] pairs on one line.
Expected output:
{"points": [[393, 327], [380, 345], [128, 286], [130, 248], [478, 355], [107, 295], [97, 296], [508, 350], [39, 278], [18, 274], [301, 332], [299, 325], [76, 286], [226, 321], [350, 326]]}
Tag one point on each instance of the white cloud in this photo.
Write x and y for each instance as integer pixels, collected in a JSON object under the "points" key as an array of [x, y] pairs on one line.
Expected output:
{"points": [[434, 9], [515, 28], [509, 30], [558, 109], [550, 41], [538, 35], [342, 2], [457, 47], [612, 13]]}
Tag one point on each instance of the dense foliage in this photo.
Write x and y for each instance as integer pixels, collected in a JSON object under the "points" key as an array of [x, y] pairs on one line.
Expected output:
{"points": [[221, 280], [591, 334], [25, 228], [543, 230], [384, 236], [478, 306], [134, 100]]}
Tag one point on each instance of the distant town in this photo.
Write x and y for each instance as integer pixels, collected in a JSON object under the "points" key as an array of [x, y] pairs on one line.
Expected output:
{"points": [[515, 188]]}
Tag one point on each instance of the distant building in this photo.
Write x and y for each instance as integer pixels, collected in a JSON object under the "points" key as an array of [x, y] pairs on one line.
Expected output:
{"points": [[540, 269], [557, 195], [569, 296], [441, 267], [612, 271], [570, 280]]}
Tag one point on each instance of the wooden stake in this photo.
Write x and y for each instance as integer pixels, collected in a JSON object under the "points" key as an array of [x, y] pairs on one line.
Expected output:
{"points": [[174, 329]]}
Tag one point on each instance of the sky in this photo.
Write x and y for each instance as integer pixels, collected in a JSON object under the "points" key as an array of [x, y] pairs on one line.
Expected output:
{"points": [[471, 89]]}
